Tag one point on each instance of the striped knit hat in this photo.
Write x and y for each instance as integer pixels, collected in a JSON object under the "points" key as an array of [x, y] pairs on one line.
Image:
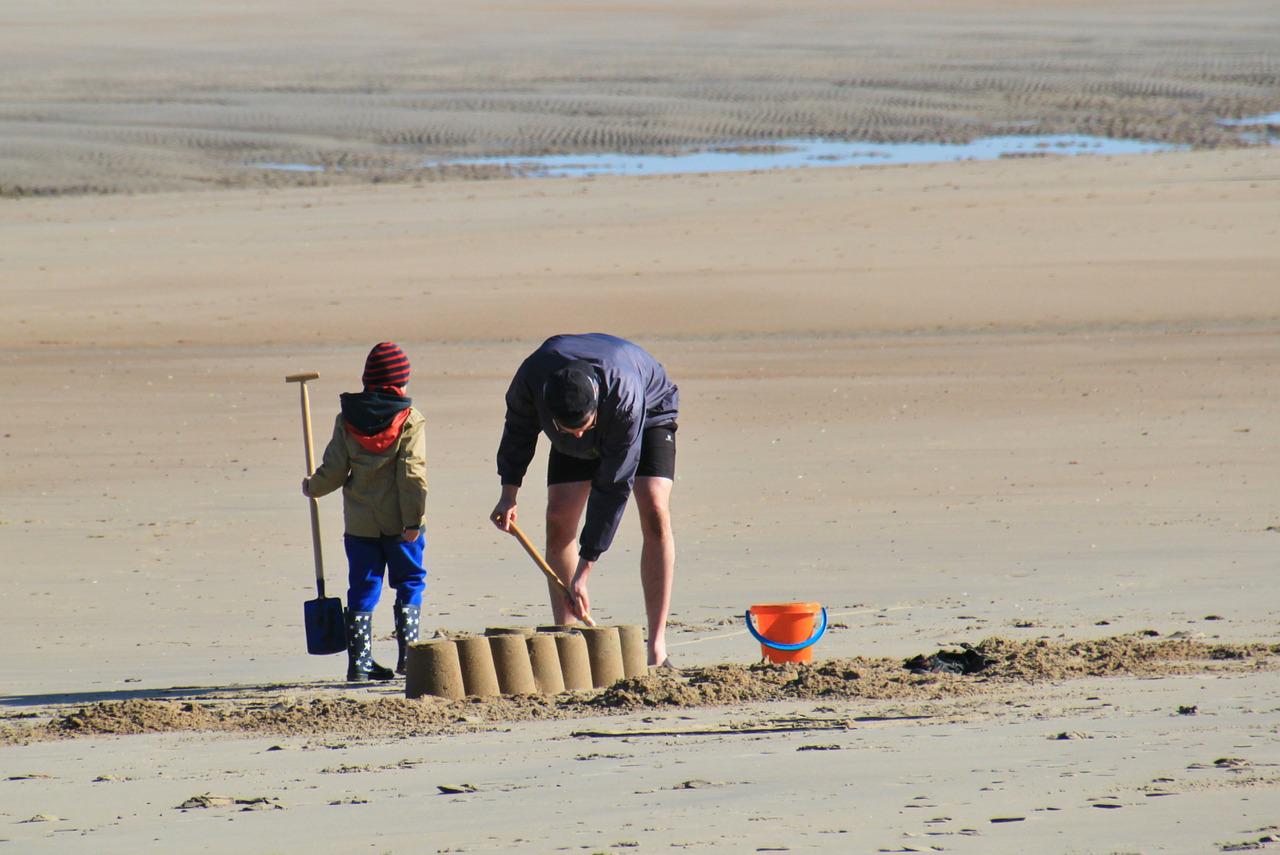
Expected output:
{"points": [[386, 365]]}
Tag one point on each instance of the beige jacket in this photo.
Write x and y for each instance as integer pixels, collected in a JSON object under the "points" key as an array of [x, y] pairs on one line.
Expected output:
{"points": [[382, 494]]}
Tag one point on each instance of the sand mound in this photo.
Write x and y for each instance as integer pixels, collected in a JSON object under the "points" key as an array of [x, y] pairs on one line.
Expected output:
{"points": [[1008, 663], [1125, 654], [886, 679], [736, 684], [322, 715], [136, 716]]}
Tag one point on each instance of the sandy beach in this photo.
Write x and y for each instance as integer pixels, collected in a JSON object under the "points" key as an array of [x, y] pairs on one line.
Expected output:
{"points": [[139, 98], [1029, 400]]}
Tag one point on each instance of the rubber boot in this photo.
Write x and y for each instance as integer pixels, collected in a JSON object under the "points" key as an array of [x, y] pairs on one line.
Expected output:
{"points": [[360, 664], [407, 618]]}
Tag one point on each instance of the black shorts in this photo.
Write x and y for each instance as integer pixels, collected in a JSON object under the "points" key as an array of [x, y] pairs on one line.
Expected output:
{"points": [[657, 459]]}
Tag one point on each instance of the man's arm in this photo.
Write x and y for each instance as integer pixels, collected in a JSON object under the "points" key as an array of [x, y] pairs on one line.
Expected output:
{"points": [[515, 450], [519, 432], [611, 486]]}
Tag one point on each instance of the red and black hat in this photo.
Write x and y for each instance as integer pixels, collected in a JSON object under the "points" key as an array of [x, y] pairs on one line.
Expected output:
{"points": [[386, 365]]}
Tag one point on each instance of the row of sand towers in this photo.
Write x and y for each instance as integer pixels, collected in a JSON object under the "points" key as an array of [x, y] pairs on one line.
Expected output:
{"points": [[524, 661]]}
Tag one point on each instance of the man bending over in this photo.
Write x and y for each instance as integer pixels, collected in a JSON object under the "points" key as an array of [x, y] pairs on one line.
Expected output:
{"points": [[610, 412]]}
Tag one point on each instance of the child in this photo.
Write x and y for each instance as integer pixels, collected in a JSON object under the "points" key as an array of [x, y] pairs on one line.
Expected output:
{"points": [[378, 457]]}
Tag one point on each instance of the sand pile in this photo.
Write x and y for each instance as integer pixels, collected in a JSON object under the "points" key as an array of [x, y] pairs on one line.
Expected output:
{"points": [[1124, 654], [137, 716], [323, 715], [737, 684], [1008, 663]]}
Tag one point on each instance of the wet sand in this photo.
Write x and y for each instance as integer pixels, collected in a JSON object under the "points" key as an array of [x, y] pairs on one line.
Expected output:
{"points": [[1092, 765], [141, 99], [1031, 400]]}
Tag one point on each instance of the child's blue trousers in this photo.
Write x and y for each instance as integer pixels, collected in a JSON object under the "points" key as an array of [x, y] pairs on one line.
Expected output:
{"points": [[368, 557]]}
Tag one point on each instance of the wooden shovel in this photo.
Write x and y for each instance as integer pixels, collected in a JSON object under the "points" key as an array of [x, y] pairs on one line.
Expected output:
{"points": [[323, 618], [545, 568]]}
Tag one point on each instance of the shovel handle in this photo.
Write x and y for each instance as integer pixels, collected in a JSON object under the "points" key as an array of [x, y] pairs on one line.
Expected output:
{"points": [[301, 380], [545, 568]]}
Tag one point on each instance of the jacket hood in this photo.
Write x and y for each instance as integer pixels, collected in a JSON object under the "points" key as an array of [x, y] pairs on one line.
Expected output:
{"points": [[374, 418]]}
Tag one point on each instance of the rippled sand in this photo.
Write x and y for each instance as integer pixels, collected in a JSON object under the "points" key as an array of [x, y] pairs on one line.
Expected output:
{"points": [[138, 98]]}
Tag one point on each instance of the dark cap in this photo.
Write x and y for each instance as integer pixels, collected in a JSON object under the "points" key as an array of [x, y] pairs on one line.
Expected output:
{"points": [[572, 393]]}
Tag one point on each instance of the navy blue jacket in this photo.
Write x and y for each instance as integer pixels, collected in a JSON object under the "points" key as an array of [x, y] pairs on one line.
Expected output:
{"points": [[634, 394]]}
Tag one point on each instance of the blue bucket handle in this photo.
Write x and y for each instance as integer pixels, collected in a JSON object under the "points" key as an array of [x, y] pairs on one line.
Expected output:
{"points": [[813, 639]]}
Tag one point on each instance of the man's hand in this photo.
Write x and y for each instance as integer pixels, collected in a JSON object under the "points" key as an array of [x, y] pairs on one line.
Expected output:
{"points": [[504, 513], [579, 601], [409, 535], [305, 491]]}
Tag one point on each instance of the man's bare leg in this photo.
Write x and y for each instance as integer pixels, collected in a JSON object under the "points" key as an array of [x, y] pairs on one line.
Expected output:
{"points": [[565, 503], [657, 559]]}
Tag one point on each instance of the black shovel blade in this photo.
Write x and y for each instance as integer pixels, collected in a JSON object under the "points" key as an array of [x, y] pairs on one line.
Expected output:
{"points": [[326, 627]]}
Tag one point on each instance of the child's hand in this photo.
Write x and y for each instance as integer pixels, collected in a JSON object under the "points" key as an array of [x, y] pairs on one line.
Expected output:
{"points": [[409, 535], [305, 491]]}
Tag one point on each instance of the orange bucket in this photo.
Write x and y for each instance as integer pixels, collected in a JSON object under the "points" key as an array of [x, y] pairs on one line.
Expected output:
{"points": [[786, 630]]}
